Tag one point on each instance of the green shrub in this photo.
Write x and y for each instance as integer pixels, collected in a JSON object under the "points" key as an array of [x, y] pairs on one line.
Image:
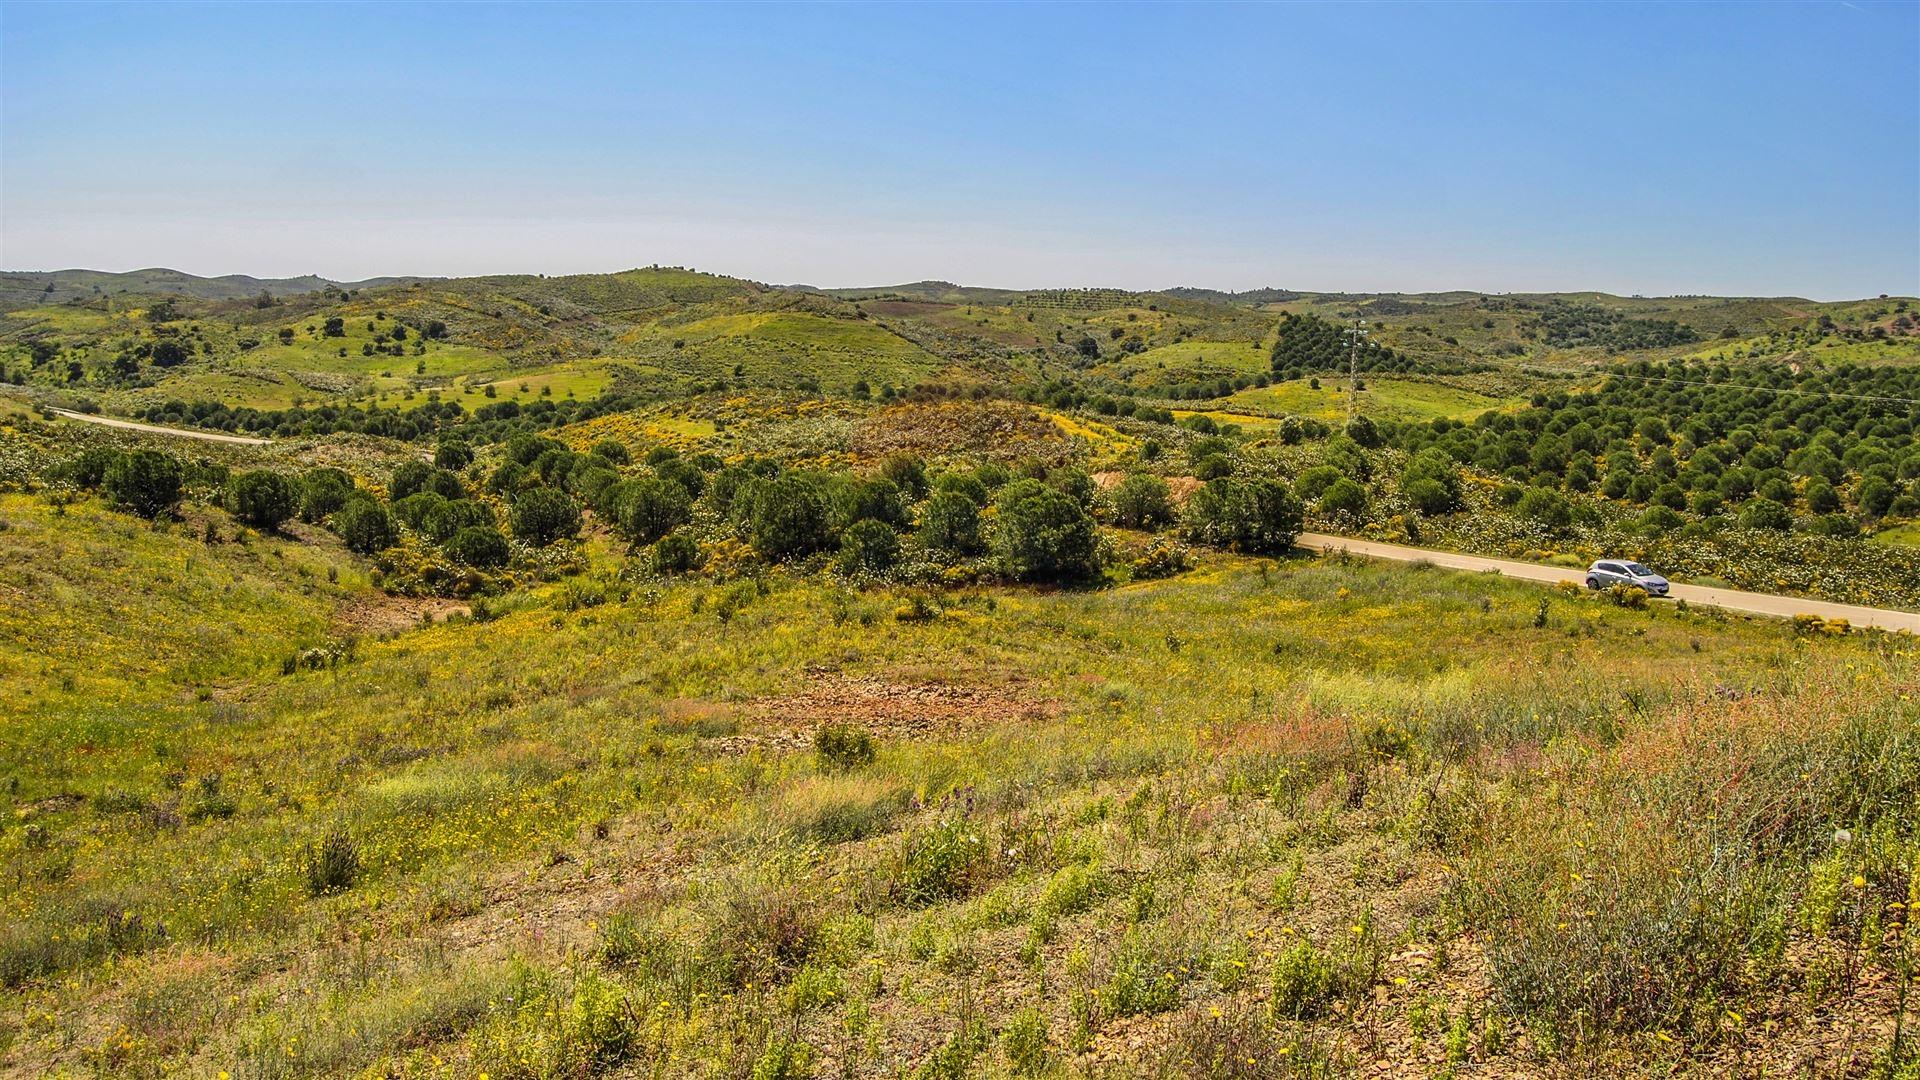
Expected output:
{"points": [[323, 492], [875, 498], [1074, 888], [907, 472], [869, 546], [1549, 508], [1075, 484], [1314, 482], [452, 454], [1765, 514], [675, 553], [409, 477], [1627, 596], [611, 451], [942, 862], [413, 510], [1431, 482], [784, 1058], [1142, 501], [1213, 467], [842, 746], [544, 515], [444, 484], [1043, 535], [332, 865], [967, 485], [446, 518], [1146, 978], [1345, 497], [1025, 1042], [650, 508], [364, 525], [1303, 983], [683, 473], [88, 469], [1660, 519], [262, 498], [950, 522], [1255, 516], [479, 546], [147, 482], [790, 517]]}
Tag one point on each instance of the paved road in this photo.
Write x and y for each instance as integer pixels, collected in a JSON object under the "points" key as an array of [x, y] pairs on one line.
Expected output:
{"points": [[155, 429], [1757, 603]]}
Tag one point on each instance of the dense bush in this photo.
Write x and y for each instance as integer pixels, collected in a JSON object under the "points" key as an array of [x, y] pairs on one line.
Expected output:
{"points": [[262, 498], [650, 508], [877, 498], [364, 525], [1142, 501], [1431, 481], [1765, 514], [146, 482], [1345, 496], [675, 553], [869, 546], [950, 522], [447, 518], [543, 515], [479, 546], [790, 517], [88, 469], [1254, 516], [322, 492], [968, 485], [1549, 508], [1043, 535], [842, 747], [611, 452], [452, 454], [409, 477]]}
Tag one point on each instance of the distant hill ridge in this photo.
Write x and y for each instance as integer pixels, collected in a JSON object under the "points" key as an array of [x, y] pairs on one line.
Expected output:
{"points": [[23, 287], [31, 288]]}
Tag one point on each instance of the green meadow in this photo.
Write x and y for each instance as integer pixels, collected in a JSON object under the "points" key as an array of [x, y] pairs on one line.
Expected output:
{"points": [[660, 674]]}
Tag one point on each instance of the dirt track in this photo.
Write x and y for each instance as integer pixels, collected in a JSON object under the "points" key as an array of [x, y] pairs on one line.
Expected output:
{"points": [[1730, 599], [155, 429]]}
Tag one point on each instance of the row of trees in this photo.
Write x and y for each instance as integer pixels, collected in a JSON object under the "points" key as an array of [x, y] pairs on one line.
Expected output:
{"points": [[1693, 439]]}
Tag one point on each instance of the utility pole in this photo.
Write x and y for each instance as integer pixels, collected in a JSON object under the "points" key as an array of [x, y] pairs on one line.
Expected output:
{"points": [[1358, 333]]}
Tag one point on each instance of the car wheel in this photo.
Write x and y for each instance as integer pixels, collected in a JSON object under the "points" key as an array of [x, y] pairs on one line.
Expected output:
{"points": [[1593, 583]]}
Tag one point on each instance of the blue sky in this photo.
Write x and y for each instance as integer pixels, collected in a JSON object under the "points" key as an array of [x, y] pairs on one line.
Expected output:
{"points": [[1767, 149]]}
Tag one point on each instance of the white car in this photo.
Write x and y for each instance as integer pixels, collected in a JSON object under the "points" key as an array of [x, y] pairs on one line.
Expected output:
{"points": [[1609, 572]]}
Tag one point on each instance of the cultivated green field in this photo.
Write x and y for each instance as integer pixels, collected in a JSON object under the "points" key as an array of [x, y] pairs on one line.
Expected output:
{"points": [[1391, 399]]}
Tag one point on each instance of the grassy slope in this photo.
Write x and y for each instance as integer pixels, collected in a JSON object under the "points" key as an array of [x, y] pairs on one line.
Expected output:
{"points": [[104, 609], [1391, 399], [516, 788]]}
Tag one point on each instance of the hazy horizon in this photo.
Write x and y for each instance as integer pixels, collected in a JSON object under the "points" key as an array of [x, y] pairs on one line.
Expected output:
{"points": [[1768, 150], [836, 286]]}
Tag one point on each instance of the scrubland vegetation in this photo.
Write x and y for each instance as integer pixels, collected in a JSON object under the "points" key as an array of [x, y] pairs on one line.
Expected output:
{"points": [[887, 684]]}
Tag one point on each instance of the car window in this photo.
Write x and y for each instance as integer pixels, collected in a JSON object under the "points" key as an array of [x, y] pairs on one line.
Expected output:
{"points": [[1638, 570], [1609, 568]]}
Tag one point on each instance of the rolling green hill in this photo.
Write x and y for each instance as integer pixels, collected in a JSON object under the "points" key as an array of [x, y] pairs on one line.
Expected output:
{"points": [[666, 674], [25, 288]]}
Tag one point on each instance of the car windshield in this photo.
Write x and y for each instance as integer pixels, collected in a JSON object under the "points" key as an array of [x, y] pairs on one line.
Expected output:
{"points": [[1637, 570]]}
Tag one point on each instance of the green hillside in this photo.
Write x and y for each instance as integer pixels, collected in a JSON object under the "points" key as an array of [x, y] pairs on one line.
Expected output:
{"points": [[667, 674]]}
